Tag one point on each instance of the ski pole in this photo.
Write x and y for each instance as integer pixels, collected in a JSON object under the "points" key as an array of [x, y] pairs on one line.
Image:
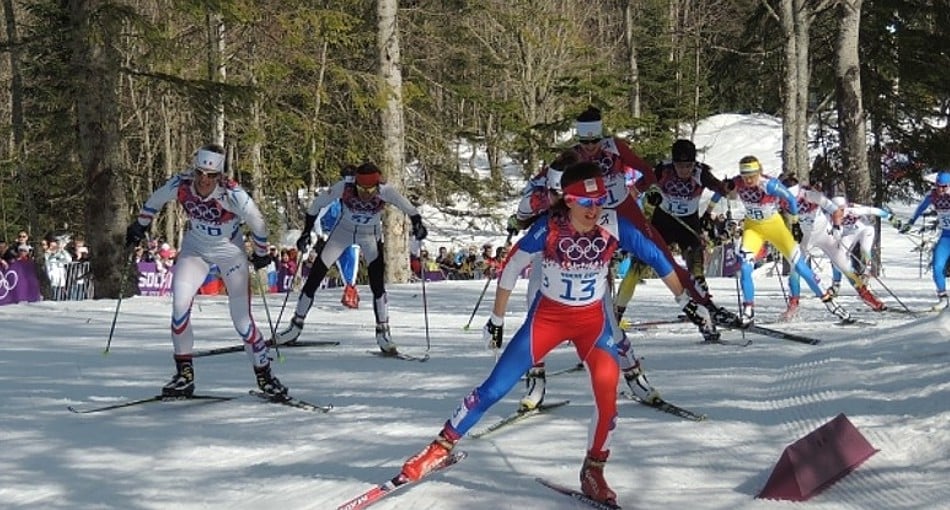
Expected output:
{"points": [[484, 289], [425, 306], [290, 289], [270, 323], [118, 303], [889, 291]]}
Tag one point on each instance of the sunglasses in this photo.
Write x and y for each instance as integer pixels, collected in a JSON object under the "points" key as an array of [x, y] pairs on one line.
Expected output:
{"points": [[203, 173], [367, 189], [587, 202], [589, 141]]}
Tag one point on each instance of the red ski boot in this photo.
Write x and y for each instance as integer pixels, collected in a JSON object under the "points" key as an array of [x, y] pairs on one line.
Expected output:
{"points": [[351, 297], [431, 456], [593, 484], [870, 299]]}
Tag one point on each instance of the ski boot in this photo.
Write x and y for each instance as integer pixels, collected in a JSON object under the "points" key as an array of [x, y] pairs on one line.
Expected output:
{"points": [[431, 456], [351, 297], [639, 384], [593, 484], [942, 300], [292, 333], [832, 305], [182, 384], [792, 311], [870, 299], [384, 339], [536, 386], [748, 315], [269, 384]]}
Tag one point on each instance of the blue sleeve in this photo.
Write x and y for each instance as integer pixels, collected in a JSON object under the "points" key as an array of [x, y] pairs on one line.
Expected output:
{"points": [[633, 241], [715, 198], [776, 189], [924, 204], [534, 239]]}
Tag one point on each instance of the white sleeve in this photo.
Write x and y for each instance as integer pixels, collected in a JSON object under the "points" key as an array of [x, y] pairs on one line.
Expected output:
{"points": [[324, 199], [391, 196]]}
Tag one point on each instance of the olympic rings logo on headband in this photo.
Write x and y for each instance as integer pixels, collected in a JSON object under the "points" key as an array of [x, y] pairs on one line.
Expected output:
{"points": [[582, 249]]}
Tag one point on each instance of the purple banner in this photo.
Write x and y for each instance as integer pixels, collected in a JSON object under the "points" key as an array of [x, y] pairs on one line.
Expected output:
{"points": [[153, 282], [731, 263], [19, 283], [285, 278]]}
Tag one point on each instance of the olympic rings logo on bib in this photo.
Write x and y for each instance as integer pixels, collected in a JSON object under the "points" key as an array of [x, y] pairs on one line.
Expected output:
{"points": [[207, 212], [583, 249]]}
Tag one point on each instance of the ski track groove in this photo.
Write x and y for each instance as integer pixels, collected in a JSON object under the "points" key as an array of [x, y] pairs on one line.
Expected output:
{"points": [[801, 409]]}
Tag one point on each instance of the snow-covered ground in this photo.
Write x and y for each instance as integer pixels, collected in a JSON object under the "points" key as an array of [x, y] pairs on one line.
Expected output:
{"points": [[891, 379]]}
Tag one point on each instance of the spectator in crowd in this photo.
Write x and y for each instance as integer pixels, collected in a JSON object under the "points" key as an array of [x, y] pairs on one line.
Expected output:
{"points": [[446, 262], [5, 255], [56, 258], [80, 250], [23, 253]]}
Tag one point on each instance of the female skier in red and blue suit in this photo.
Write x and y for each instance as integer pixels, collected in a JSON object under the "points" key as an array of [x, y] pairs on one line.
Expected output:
{"points": [[576, 253]]}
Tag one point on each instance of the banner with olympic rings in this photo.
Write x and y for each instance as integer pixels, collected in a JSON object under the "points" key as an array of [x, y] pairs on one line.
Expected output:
{"points": [[19, 283]]}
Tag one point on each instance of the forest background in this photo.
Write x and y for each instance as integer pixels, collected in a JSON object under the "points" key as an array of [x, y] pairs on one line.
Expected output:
{"points": [[104, 100]]}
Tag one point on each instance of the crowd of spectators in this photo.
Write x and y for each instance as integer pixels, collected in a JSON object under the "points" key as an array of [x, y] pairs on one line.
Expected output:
{"points": [[466, 264]]}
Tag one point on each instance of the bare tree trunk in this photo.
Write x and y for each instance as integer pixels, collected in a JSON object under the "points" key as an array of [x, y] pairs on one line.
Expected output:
{"points": [[393, 129], [854, 158], [797, 162], [217, 72], [96, 64], [630, 17], [790, 85], [24, 179]]}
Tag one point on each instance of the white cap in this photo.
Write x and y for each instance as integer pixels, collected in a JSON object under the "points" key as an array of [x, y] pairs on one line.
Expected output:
{"points": [[209, 161], [839, 201], [590, 130]]}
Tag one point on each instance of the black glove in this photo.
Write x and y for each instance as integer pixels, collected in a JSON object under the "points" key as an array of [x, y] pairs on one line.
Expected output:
{"points": [[493, 334], [135, 233], [260, 261], [654, 198], [514, 226], [303, 242], [418, 229], [318, 246], [797, 232]]}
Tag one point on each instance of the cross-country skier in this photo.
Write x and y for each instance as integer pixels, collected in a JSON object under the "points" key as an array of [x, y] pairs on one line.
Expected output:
{"points": [[674, 201], [856, 230], [939, 198], [215, 206], [761, 196], [541, 192], [349, 262], [616, 159], [360, 223], [576, 252], [820, 221]]}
